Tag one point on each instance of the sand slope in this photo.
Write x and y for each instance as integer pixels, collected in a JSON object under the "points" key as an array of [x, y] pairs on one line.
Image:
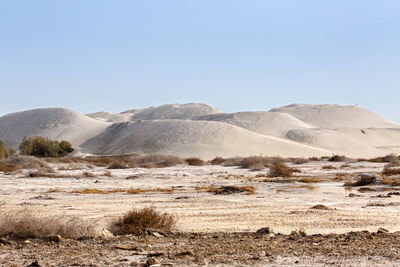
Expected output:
{"points": [[192, 138], [55, 123], [267, 123], [163, 112], [336, 116]]}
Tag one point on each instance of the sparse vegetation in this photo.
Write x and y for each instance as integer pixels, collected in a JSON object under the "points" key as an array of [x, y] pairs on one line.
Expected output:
{"points": [[44, 147], [8, 167], [389, 170], [338, 158], [217, 161], [363, 180], [138, 221], [195, 161], [98, 191], [328, 167], [226, 190], [24, 224], [279, 169]]}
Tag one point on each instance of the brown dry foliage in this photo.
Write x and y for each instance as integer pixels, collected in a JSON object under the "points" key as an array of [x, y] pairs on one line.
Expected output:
{"points": [[389, 170], [98, 191], [328, 167], [24, 224], [226, 190], [279, 169], [195, 162], [364, 180], [137, 221], [217, 161], [28, 162], [8, 167]]}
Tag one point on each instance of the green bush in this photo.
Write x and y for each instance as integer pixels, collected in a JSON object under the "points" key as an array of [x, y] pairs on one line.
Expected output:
{"points": [[43, 147]]}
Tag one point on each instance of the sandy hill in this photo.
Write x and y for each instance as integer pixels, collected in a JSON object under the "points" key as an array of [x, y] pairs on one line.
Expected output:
{"points": [[201, 130], [267, 123], [55, 123], [192, 138], [163, 112], [336, 116]]}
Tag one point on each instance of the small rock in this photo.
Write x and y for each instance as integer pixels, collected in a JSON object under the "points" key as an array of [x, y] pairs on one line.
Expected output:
{"points": [[27, 242], [382, 230], [35, 263], [151, 261], [264, 230]]}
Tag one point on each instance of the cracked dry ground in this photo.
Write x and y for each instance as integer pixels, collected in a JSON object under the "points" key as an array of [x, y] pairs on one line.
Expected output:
{"points": [[182, 249]]}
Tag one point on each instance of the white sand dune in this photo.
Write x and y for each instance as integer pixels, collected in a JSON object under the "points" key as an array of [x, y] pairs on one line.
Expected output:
{"points": [[262, 122], [192, 138], [336, 116], [55, 123], [368, 142], [201, 130], [163, 112]]}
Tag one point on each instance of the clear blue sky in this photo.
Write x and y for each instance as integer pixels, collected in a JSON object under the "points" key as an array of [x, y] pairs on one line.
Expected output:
{"points": [[92, 55]]}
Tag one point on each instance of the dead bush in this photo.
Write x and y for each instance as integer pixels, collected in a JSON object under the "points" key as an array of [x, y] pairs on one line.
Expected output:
{"points": [[29, 162], [137, 221], [195, 161], [338, 158], [363, 180], [227, 190], [8, 167], [117, 165], [280, 169], [23, 224], [328, 167], [88, 174], [390, 158], [217, 161], [299, 161], [159, 161], [389, 170], [97, 191]]}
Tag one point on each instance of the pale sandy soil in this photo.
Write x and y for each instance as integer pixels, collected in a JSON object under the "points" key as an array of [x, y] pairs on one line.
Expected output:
{"points": [[282, 206]]}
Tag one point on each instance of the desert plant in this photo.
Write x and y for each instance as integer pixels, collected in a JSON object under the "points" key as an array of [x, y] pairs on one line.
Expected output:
{"points": [[337, 158], [194, 161], [23, 224], [3, 150], [280, 169], [389, 170], [8, 167], [217, 161], [44, 147], [137, 221]]}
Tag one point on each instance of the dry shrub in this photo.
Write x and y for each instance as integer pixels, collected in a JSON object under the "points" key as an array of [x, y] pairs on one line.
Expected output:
{"points": [[98, 191], [338, 158], [279, 169], [226, 190], [299, 161], [253, 162], [87, 174], [309, 180], [217, 161], [389, 170], [364, 180], [29, 162], [390, 158], [328, 167], [8, 167], [135, 191], [233, 161], [195, 161], [138, 221], [24, 224]]}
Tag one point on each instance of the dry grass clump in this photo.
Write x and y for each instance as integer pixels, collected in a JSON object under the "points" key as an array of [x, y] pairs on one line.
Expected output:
{"points": [[24, 224], [138, 221], [299, 161], [307, 180], [117, 165], [97, 191], [28, 162], [217, 161], [135, 191], [195, 162], [253, 162], [390, 158], [280, 169], [389, 170], [328, 167], [226, 190], [391, 181], [363, 180], [8, 167]]}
